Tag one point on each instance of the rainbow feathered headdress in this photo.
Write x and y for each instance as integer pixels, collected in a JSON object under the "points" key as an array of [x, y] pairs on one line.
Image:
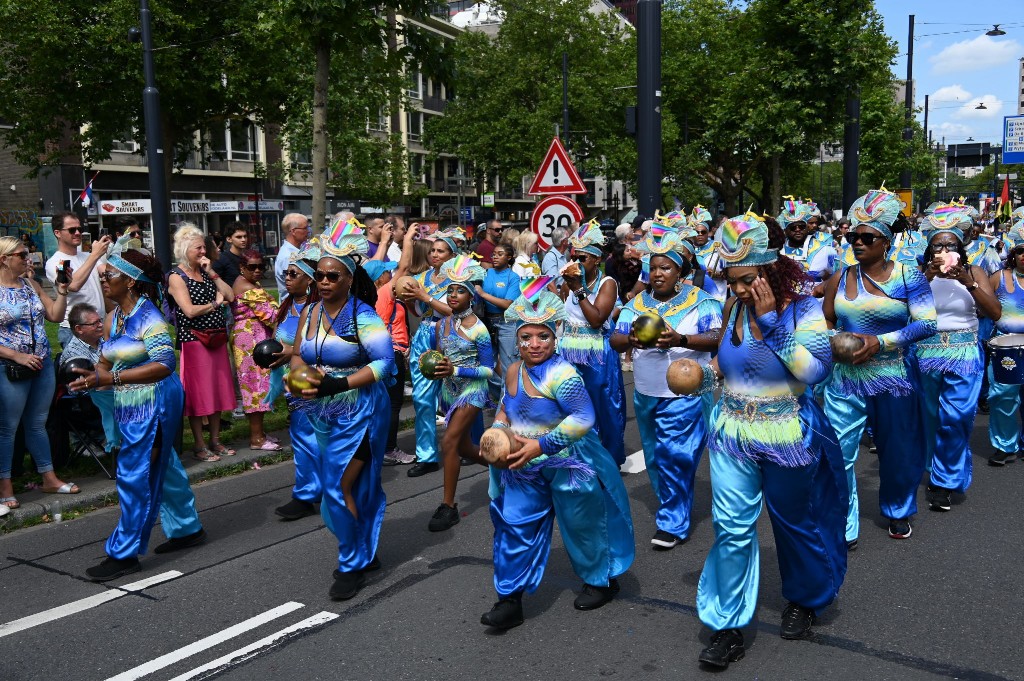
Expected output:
{"points": [[794, 210], [878, 209], [345, 241], [535, 305], [463, 270], [946, 217], [588, 238], [662, 240], [743, 241], [699, 216], [451, 236]]}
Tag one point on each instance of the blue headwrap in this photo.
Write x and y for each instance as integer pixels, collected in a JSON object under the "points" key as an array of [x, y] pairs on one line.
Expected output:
{"points": [[375, 268]]}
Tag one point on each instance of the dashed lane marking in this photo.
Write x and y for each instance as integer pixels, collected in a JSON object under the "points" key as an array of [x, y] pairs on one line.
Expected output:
{"points": [[84, 604]]}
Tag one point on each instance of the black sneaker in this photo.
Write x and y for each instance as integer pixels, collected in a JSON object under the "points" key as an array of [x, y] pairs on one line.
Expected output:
{"points": [[346, 585], [112, 568], [1002, 458], [851, 545], [726, 646], [938, 498], [899, 528], [593, 597], [506, 613], [179, 543], [445, 518], [664, 541], [422, 468], [983, 405], [796, 622], [373, 565], [295, 509]]}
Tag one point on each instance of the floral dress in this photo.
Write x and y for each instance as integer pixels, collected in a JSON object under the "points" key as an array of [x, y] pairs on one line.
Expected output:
{"points": [[254, 312]]}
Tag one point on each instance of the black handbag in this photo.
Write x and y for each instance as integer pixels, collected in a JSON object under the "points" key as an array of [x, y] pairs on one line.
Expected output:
{"points": [[19, 372]]}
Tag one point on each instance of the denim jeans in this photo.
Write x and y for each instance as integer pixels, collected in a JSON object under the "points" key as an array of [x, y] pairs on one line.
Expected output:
{"points": [[503, 336], [64, 336], [31, 400]]}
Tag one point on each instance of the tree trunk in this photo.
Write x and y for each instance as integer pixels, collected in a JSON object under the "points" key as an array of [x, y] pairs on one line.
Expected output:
{"points": [[774, 197], [321, 79]]}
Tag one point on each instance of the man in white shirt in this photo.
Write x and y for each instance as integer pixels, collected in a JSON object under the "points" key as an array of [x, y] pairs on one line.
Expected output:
{"points": [[84, 285], [295, 228], [397, 236]]}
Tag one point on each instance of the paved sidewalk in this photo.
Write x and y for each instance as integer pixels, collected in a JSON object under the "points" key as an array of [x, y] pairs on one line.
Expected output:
{"points": [[99, 490]]}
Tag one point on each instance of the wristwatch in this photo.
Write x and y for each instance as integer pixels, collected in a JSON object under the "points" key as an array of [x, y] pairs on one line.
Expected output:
{"points": [[973, 287], [581, 295]]}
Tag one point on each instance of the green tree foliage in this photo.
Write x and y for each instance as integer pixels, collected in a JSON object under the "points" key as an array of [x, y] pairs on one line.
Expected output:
{"points": [[509, 91], [72, 81]]}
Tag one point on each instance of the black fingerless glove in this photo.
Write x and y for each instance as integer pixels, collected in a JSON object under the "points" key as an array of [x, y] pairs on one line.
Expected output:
{"points": [[332, 385]]}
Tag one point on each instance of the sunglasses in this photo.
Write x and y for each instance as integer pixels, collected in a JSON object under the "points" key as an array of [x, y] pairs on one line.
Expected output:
{"points": [[944, 246], [71, 230], [134, 235], [20, 254], [333, 276], [98, 322], [255, 267], [292, 274], [108, 275], [866, 239]]}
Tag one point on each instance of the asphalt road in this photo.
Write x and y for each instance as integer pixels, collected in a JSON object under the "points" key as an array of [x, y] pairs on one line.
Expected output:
{"points": [[252, 602]]}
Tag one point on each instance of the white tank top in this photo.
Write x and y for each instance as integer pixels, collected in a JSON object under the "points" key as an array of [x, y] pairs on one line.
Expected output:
{"points": [[954, 305], [573, 313]]}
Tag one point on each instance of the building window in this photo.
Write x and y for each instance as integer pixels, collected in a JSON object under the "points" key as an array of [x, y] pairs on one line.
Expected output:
{"points": [[125, 144], [240, 138], [415, 85], [378, 123], [414, 123], [416, 167], [302, 159]]}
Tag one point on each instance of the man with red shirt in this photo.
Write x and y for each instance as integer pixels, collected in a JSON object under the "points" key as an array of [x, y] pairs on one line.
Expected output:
{"points": [[486, 246]]}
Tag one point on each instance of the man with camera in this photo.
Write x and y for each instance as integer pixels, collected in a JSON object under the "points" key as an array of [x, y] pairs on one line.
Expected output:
{"points": [[78, 269]]}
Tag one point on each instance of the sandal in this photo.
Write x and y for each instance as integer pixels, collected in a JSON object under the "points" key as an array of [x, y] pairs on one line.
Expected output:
{"points": [[66, 488], [267, 446], [218, 448], [10, 502], [204, 454]]}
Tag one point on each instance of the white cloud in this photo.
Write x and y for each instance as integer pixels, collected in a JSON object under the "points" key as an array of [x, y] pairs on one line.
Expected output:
{"points": [[950, 94], [992, 109], [954, 131], [978, 53]]}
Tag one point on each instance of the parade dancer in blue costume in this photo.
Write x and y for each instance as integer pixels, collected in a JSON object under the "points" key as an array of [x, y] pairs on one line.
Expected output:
{"points": [[589, 302], [673, 429], [348, 409], [889, 305], [298, 280], [699, 223], [138, 360], [813, 252], [561, 471], [1004, 400], [951, 360], [430, 305], [463, 374], [770, 443]]}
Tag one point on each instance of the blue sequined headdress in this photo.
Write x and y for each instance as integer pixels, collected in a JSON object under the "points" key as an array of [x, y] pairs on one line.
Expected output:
{"points": [[794, 210], [1015, 234], [115, 260], [344, 241], [878, 209], [306, 257], [588, 239], [672, 245], [536, 305], [699, 216], [452, 237], [743, 242]]}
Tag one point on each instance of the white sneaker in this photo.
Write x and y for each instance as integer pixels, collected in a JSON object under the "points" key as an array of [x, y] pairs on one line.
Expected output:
{"points": [[4, 510], [407, 391], [239, 413]]}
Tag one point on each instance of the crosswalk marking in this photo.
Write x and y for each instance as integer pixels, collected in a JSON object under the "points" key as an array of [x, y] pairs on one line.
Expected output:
{"points": [[206, 643], [635, 463], [253, 649], [84, 604]]}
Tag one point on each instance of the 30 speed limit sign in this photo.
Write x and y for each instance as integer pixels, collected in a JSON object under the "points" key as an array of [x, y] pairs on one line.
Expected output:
{"points": [[554, 211]]}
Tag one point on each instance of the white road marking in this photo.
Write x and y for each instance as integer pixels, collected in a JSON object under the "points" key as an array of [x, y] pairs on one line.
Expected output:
{"points": [[206, 643], [635, 463], [254, 649], [84, 604]]}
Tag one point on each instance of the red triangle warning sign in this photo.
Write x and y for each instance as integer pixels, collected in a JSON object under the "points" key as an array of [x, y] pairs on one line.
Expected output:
{"points": [[557, 174]]}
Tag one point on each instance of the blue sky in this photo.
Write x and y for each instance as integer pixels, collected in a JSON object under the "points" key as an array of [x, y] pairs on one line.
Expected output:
{"points": [[963, 68]]}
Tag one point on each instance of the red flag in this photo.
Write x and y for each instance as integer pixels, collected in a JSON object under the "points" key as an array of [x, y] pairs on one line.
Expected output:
{"points": [[1004, 198]]}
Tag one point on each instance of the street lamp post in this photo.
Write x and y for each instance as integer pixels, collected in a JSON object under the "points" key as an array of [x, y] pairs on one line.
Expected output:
{"points": [[908, 102], [154, 144], [648, 14]]}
